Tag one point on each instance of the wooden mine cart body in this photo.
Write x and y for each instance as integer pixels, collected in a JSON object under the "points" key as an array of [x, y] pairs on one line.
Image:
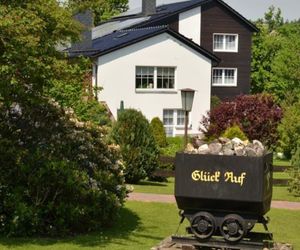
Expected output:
{"points": [[226, 184]]}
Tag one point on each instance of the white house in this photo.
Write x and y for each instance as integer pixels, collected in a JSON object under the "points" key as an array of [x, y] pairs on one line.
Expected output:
{"points": [[148, 75], [145, 60]]}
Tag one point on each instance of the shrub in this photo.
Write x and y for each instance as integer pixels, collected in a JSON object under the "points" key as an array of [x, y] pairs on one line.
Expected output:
{"points": [[174, 144], [138, 147], [58, 176], [289, 128], [158, 132], [294, 172], [215, 101], [257, 115], [234, 131]]}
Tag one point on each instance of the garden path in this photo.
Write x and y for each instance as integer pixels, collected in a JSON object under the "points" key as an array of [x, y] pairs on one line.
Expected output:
{"points": [[171, 199]]}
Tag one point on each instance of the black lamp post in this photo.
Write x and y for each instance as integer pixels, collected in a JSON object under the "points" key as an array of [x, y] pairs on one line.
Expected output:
{"points": [[187, 98]]}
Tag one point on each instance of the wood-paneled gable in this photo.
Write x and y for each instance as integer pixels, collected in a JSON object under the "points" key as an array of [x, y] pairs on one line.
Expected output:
{"points": [[217, 19]]}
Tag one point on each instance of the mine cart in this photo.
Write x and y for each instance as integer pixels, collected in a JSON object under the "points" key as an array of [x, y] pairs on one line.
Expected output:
{"points": [[223, 195]]}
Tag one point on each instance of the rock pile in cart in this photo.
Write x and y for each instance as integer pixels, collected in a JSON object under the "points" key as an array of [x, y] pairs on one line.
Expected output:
{"points": [[225, 146]]}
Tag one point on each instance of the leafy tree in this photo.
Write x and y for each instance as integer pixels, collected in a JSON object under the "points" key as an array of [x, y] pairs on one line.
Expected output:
{"points": [[102, 9], [275, 63], [57, 175], [266, 43], [73, 89]]}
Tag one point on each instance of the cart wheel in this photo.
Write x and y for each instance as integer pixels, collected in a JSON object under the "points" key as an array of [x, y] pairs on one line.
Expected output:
{"points": [[203, 225], [233, 228]]}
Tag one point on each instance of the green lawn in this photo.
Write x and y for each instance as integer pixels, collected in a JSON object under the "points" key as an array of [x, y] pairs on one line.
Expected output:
{"points": [[142, 225], [155, 187], [284, 163], [279, 193], [281, 175]]}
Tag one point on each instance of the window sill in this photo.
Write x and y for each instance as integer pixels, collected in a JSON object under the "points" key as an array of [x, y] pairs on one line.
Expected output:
{"points": [[181, 127], [224, 85], [226, 51], [156, 91]]}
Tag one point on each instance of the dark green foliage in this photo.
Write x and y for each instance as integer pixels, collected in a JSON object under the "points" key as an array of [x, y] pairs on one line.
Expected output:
{"points": [[158, 131], [138, 147], [257, 115], [57, 176], [234, 131], [289, 128], [294, 172], [215, 101]]}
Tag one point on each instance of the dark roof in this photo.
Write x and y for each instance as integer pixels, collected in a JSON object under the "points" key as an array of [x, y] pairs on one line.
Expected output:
{"points": [[123, 38], [167, 10]]}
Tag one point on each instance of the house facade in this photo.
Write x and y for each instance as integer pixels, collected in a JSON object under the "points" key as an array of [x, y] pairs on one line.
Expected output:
{"points": [[145, 58]]}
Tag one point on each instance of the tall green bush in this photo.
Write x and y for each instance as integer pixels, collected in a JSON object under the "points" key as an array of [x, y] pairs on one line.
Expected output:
{"points": [[57, 175], [158, 131], [138, 147]]}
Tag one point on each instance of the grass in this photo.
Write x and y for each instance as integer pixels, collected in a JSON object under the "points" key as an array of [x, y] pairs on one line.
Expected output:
{"points": [[284, 163], [155, 187], [143, 225], [281, 175], [279, 193]]}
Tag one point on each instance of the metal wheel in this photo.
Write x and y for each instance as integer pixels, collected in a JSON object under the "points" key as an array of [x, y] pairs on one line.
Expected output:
{"points": [[233, 228], [203, 225]]}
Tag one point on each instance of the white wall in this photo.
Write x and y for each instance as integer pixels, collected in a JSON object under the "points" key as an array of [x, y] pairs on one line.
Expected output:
{"points": [[116, 74], [190, 24]]}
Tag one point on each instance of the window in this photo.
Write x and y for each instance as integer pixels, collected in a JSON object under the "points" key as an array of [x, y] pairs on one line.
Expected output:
{"points": [[225, 42], [155, 78], [224, 77], [172, 119], [165, 78], [144, 78]]}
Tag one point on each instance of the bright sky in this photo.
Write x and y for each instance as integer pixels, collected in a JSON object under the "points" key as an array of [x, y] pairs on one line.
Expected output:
{"points": [[251, 9]]}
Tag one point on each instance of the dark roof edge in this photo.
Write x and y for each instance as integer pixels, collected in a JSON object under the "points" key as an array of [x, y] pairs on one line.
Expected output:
{"points": [[193, 45], [245, 20], [178, 36]]}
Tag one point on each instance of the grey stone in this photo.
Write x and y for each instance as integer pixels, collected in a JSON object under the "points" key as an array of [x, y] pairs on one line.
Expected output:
{"points": [[215, 148], [189, 147], [204, 149], [236, 141], [250, 151], [239, 150], [228, 146], [197, 142], [259, 148], [224, 140], [228, 151]]}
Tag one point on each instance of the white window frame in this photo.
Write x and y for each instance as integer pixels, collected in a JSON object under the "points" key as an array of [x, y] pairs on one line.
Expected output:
{"points": [[223, 84], [236, 49], [175, 126], [155, 89]]}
